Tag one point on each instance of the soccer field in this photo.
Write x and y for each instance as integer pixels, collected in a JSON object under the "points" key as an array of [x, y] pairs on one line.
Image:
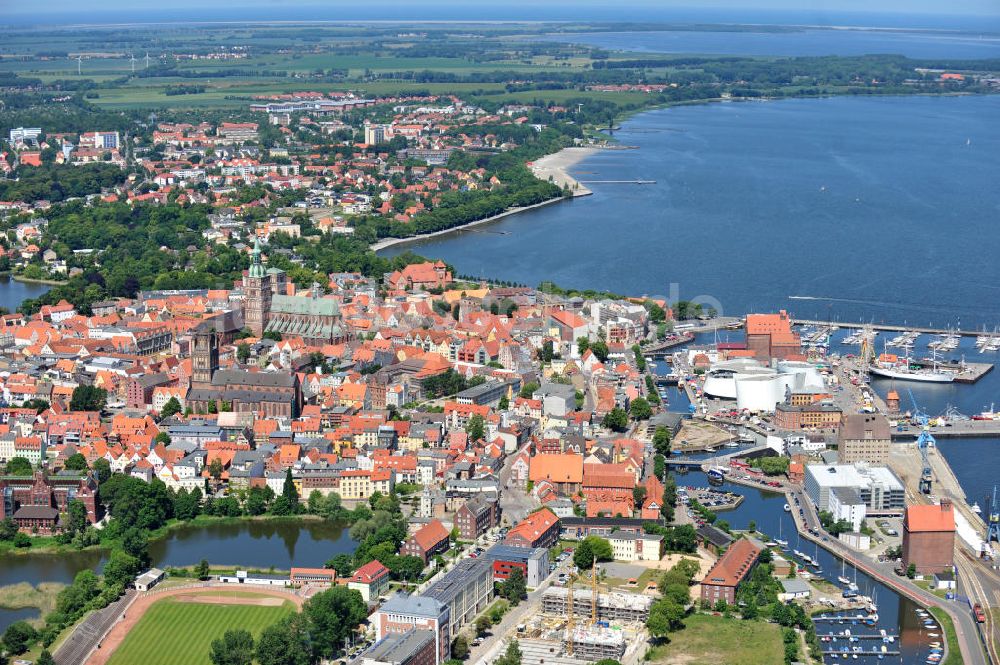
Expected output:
{"points": [[177, 631]]}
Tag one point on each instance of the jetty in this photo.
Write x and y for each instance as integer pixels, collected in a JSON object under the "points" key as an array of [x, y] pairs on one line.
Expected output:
{"points": [[890, 327], [619, 182]]}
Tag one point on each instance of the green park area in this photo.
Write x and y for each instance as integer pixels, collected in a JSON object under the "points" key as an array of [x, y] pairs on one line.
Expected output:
{"points": [[710, 640]]}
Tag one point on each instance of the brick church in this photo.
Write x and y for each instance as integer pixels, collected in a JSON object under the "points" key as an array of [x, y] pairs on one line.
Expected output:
{"points": [[317, 320], [270, 393]]}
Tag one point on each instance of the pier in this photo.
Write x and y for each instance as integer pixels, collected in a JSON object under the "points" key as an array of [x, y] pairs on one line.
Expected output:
{"points": [[618, 182], [890, 327], [662, 349], [845, 652]]}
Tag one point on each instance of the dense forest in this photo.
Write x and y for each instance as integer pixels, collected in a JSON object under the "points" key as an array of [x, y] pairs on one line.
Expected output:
{"points": [[58, 182]]}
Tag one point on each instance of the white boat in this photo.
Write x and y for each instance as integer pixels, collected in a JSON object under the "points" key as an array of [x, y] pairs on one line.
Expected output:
{"points": [[788, 508], [976, 509], [901, 374], [843, 580], [783, 544]]}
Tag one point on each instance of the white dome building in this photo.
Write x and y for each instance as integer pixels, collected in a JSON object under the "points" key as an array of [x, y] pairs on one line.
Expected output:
{"points": [[756, 387]]}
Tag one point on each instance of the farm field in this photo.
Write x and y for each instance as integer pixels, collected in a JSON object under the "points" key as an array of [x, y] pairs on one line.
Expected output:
{"points": [[199, 617]]}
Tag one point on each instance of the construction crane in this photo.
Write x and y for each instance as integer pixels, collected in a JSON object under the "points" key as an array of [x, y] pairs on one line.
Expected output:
{"points": [[924, 442], [593, 592], [569, 614]]}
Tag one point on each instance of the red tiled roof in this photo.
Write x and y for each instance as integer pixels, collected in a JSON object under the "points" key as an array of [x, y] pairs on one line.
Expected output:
{"points": [[734, 565], [371, 571], [430, 535], [930, 518], [534, 525], [558, 468]]}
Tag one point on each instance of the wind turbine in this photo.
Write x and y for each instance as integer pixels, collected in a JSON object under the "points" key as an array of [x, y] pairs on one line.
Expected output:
{"points": [[132, 58], [79, 65], [147, 59]]}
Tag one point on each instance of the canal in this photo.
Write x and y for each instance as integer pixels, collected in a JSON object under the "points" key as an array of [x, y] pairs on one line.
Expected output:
{"points": [[897, 614], [251, 544]]}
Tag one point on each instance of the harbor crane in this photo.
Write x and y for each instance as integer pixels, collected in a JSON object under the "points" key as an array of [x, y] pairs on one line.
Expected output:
{"points": [[993, 521], [924, 442]]}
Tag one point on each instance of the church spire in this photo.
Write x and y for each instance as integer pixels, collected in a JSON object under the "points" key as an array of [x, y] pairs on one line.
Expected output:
{"points": [[256, 267]]}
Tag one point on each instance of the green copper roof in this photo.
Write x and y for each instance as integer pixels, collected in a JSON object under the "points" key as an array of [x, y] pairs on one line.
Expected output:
{"points": [[256, 267]]}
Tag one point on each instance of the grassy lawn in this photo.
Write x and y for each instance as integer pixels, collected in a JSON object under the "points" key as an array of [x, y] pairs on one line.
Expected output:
{"points": [[198, 623], [710, 640], [649, 575], [954, 653]]}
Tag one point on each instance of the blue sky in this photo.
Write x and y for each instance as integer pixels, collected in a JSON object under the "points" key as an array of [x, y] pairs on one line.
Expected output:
{"points": [[504, 8]]}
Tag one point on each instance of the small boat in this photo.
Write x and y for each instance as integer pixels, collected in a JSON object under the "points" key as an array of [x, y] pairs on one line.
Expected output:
{"points": [[843, 580], [976, 509], [783, 544], [771, 543], [933, 635], [788, 508]]}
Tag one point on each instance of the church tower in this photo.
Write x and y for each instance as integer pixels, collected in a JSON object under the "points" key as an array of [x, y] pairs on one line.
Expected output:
{"points": [[257, 287], [204, 358]]}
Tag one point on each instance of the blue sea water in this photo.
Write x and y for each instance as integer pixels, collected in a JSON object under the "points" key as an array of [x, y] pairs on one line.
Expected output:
{"points": [[805, 42], [850, 208]]}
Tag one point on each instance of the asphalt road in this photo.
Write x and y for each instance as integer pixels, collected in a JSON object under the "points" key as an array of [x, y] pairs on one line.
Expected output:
{"points": [[515, 503], [490, 648]]}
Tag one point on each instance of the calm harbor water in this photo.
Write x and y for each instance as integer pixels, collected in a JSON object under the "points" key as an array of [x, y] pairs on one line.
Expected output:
{"points": [[804, 42], [849, 208], [897, 615], [965, 456], [259, 545]]}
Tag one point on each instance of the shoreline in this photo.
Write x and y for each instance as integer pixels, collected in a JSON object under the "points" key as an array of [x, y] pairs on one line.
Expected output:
{"points": [[29, 280], [386, 243], [162, 533], [555, 165]]}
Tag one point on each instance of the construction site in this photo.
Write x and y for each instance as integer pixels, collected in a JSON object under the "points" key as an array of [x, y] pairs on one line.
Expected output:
{"points": [[610, 607], [579, 625]]}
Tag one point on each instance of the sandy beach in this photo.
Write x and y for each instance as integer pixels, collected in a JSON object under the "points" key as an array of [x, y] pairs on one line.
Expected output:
{"points": [[556, 165]]}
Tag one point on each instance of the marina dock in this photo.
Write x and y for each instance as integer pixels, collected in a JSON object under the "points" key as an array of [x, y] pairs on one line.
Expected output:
{"points": [[888, 327]]}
